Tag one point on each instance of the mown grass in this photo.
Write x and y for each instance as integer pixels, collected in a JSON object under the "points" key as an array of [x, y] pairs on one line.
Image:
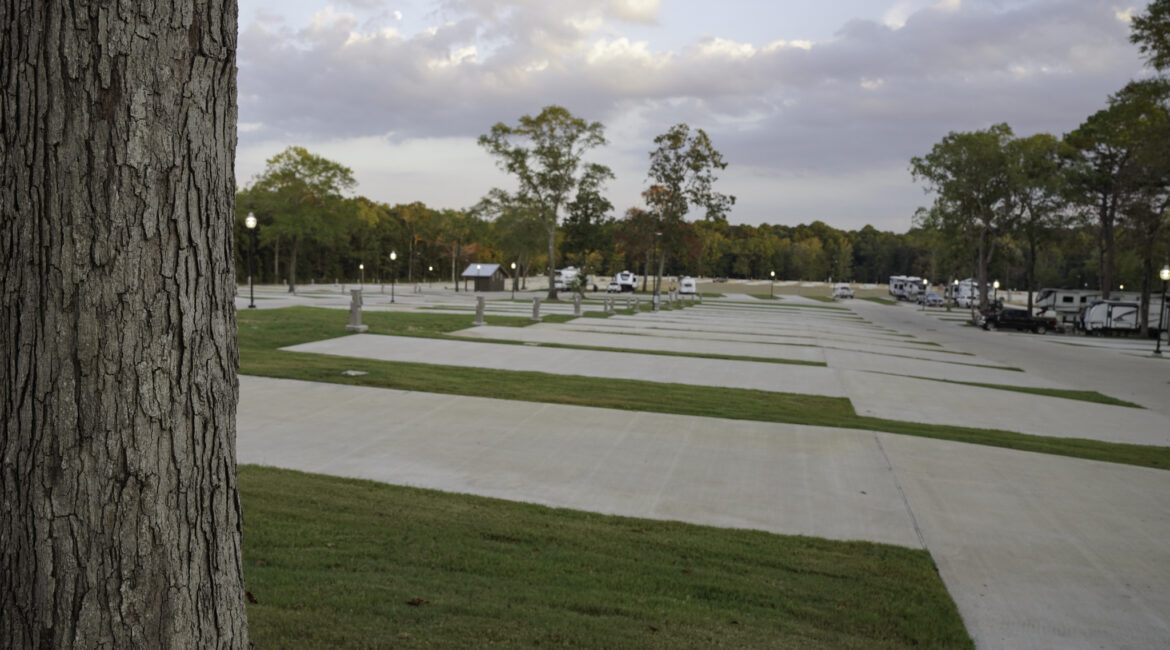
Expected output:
{"points": [[880, 301], [342, 563], [262, 332], [1091, 396]]}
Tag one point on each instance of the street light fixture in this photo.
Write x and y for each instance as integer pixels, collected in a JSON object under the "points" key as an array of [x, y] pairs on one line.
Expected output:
{"points": [[393, 278], [1164, 274], [250, 223], [954, 294], [772, 285], [362, 275], [995, 295], [514, 278], [925, 286], [430, 279]]}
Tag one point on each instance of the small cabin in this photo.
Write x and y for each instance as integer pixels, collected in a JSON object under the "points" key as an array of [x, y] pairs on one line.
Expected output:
{"points": [[484, 277]]}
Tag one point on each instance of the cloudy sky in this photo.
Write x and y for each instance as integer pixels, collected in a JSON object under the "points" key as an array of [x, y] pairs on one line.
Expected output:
{"points": [[817, 105]]}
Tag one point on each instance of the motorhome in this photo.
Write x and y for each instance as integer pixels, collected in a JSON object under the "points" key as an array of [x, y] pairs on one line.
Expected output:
{"points": [[626, 281], [687, 286]]}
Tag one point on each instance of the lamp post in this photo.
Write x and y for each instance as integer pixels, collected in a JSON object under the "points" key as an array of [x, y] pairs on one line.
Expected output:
{"points": [[478, 270], [772, 285], [925, 286], [250, 223], [393, 256], [431, 280], [995, 285], [514, 280], [954, 293], [1164, 274], [362, 275]]}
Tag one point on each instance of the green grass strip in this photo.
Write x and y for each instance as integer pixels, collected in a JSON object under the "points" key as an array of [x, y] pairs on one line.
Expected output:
{"points": [[1062, 393], [880, 301], [343, 563]]}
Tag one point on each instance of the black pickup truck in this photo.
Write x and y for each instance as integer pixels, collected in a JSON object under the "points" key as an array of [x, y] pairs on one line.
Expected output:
{"points": [[1018, 319]]}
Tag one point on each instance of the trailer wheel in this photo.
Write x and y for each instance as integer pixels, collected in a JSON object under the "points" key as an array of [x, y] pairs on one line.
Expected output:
{"points": [[1040, 329]]}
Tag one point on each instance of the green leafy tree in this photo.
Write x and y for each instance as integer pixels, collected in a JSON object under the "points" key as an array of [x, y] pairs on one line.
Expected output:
{"points": [[517, 230], [1039, 184], [302, 196], [545, 153], [1151, 33], [970, 176], [682, 170], [588, 222]]}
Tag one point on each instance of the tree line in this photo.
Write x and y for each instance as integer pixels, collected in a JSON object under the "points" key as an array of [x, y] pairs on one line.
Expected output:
{"points": [[1101, 191]]}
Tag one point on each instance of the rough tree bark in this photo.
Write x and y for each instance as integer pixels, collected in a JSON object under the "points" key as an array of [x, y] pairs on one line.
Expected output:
{"points": [[120, 525]]}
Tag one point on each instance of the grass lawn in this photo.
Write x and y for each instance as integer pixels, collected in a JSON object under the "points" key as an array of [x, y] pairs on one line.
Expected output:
{"points": [[880, 301], [262, 332], [340, 563]]}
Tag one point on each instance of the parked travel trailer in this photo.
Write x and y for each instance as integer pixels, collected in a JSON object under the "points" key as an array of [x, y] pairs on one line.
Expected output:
{"points": [[1122, 316], [905, 287], [1066, 305], [966, 292], [687, 286], [564, 277], [1111, 317], [626, 280]]}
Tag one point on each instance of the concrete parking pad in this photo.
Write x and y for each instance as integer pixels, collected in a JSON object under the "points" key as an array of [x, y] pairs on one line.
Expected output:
{"points": [[777, 477], [545, 333], [1038, 551], [786, 378], [917, 400], [1043, 551]]}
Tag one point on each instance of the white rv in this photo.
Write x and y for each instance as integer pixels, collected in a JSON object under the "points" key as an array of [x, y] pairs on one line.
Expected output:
{"points": [[687, 286], [564, 277], [1111, 316], [1066, 305], [1122, 316], [905, 287], [966, 292], [626, 281]]}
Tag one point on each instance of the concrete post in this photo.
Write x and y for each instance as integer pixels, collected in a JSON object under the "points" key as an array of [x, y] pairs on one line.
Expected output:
{"points": [[479, 310], [536, 309], [627, 302], [637, 305], [355, 312], [609, 306], [577, 305], [657, 301]]}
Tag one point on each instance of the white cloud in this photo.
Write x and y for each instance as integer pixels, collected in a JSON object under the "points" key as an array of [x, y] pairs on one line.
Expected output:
{"points": [[638, 11], [871, 96], [718, 47]]}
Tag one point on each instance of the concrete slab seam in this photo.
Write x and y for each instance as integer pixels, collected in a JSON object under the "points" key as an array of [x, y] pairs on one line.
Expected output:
{"points": [[902, 493]]}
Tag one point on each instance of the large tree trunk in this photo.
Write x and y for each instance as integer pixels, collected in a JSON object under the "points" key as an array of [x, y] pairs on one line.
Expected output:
{"points": [[120, 525], [552, 259], [292, 267], [1107, 215]]}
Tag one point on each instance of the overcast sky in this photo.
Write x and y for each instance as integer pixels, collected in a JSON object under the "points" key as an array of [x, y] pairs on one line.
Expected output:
{"points": [[817, 105]]}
